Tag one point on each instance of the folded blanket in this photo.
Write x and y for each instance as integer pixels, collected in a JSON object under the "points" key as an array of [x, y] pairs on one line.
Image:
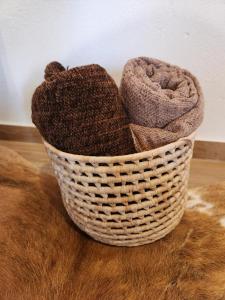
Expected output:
{"points": [[80, 111], [163, 102]]}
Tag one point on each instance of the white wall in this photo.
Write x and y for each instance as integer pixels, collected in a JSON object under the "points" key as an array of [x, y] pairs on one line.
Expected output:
{"points": [[35, 32]]}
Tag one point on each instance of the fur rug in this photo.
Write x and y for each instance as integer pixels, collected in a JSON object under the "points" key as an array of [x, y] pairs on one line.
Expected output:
{"points": [[44, 256]]}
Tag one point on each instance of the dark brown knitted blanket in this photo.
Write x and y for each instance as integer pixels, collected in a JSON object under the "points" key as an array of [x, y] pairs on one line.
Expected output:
{"points": [[80, 111], [163, 102]]}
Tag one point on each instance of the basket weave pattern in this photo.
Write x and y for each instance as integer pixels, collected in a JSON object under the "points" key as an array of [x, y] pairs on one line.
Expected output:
{"points": [[125, 200]]}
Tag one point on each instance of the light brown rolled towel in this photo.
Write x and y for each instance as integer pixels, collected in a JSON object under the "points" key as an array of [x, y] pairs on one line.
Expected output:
{"points": [[163, 102]]}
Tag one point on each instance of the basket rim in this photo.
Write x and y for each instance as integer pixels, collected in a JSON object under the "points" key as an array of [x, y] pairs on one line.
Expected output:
{"points": [[127, 157]]}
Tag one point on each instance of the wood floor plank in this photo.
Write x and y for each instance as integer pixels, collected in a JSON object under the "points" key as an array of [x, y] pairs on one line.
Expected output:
{"points": [[206, 172], [33, 152]]}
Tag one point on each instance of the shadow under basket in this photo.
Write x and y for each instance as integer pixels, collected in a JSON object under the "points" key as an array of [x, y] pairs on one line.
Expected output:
{"points": [[125, 200]]}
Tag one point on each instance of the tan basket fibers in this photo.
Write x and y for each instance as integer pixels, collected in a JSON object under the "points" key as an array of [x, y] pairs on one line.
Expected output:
{"points": [[125, 200]]}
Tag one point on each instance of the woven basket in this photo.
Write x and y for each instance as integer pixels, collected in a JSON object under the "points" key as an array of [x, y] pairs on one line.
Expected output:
{"points": [[125, 200]]}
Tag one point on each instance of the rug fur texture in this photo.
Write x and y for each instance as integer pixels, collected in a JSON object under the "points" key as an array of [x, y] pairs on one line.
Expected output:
{"points": [[44, 256]]}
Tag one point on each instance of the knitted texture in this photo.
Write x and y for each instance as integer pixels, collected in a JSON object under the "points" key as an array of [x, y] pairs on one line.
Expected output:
{"points": [[80, 111], [163, 102]]}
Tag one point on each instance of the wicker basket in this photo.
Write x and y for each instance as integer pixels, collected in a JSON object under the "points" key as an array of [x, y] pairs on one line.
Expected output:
{"points": [[125, 200]]}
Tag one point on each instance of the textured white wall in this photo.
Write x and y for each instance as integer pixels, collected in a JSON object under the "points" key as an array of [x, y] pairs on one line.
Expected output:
{"points": [[188, 33]]}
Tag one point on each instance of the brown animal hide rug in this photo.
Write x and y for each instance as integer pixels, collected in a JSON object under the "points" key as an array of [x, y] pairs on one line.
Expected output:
{"points": [[43, 255]]}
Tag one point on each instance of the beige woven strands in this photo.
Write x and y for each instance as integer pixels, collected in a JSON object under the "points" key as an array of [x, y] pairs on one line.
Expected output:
{"points": [[125, 200], [163, 102]]}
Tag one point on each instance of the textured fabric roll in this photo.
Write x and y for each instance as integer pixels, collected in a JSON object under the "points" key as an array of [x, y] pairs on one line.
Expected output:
{"points": [[163, 102], [80, 111]]}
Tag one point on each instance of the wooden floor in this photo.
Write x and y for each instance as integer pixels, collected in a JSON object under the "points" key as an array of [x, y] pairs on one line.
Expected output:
{"points": [[203, 172]]}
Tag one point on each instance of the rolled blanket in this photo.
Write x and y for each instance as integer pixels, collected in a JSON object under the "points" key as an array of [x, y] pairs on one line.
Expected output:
{"points": [[163, 102], [80, 111]]}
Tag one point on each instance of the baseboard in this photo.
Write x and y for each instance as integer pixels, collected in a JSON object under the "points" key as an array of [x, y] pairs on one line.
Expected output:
{"points": [[202, 149], [19, 133], [209, 150]]}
